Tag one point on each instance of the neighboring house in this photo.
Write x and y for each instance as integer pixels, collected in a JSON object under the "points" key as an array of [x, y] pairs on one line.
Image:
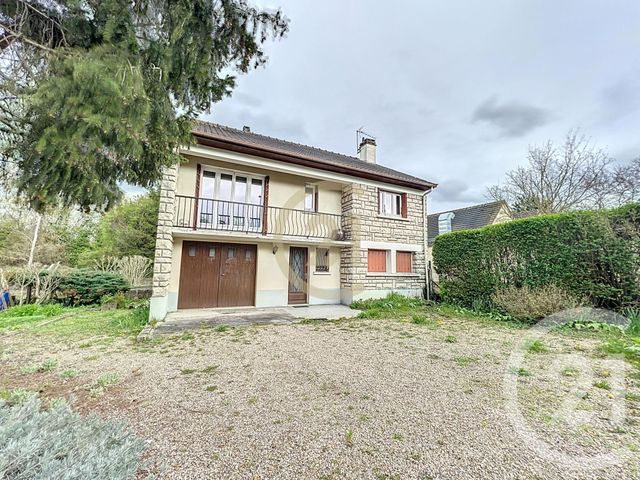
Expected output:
{"points": [[250, 220], [468, 218]]}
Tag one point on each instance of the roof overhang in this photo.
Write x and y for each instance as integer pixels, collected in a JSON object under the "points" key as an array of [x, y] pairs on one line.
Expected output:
{"points": [[239, 147]]}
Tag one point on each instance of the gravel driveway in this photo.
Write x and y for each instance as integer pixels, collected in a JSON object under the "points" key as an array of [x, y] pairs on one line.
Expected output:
{"points": [[351, 399]]}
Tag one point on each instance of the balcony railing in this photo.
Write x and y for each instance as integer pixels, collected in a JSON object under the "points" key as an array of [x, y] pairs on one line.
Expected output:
{"points": [[206, 214]]}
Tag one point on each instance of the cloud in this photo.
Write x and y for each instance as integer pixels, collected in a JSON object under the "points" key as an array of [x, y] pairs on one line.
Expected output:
{"points": [[513, 118], [456, 192]]}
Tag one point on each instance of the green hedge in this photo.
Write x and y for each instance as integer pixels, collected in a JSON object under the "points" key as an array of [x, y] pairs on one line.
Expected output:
{"points": [[593, 255]]}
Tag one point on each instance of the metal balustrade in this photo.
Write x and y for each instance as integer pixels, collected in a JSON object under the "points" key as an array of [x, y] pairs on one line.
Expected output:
{"points": [[220, 215]]}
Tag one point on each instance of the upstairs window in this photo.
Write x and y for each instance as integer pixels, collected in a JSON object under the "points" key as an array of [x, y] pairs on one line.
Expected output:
{"points": [[311, 198], [392, 204], [322, 259]]}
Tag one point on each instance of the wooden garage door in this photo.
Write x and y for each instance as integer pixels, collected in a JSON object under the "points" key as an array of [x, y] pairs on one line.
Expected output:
{"points": [[217, 275]]}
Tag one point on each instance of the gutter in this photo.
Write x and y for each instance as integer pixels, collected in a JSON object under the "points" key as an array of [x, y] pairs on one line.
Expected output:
{"points": [[271, 154]]}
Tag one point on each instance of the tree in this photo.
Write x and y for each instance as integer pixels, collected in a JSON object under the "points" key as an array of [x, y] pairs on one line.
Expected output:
{"points": [[626, 182], [129, 229], [98, 92], [575, 175]]}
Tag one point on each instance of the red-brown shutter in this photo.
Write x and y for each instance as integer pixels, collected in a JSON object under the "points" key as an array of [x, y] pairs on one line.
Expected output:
{"points": [[377, 260], [197, 196], [265, 205], [403, 205], [315, 199], [403, 262]]}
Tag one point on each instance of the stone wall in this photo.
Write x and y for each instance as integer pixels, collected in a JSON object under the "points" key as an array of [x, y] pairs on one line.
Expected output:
{"points": [[362, 222], [164, 244]]}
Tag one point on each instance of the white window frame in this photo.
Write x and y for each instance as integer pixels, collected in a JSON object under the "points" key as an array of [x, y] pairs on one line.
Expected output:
{"points": [[394, 202], [216, 196], [314, 197]]}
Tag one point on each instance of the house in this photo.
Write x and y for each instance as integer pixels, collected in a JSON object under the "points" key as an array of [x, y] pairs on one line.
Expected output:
{"points": [[251, 220], [468, 218]]}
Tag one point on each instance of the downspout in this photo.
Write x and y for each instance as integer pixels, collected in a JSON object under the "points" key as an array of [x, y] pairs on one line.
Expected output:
{"points": [[424, 244]]}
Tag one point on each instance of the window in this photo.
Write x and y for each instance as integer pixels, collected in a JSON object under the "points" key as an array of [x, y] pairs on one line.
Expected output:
{"points": [[391, 204], [403, 262], [212, 252], [377, 260], [231, 252], [444, 222], [230, 201], [311, 198], [192, 251], [322, 259]]}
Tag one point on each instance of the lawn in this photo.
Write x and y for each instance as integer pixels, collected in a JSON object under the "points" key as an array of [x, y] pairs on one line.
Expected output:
{"points": [[408, 391]]}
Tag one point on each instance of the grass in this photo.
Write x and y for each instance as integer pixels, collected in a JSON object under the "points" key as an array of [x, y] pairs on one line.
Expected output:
{"points": [[604, 385], [521, 372], [392, 306], [49, 365], [348, 438], [103, 383], [570, 372], [536, 346], [74, 321], [450, 339], [465, 361], [69, 374]]}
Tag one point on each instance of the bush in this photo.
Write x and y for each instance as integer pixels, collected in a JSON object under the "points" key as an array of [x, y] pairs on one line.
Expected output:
{"points": [[85, 287], [527, 303], [591, 255], [58, 443]]}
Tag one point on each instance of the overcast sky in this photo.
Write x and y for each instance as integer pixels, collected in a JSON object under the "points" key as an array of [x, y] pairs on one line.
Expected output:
{"points": [[453, 91]]}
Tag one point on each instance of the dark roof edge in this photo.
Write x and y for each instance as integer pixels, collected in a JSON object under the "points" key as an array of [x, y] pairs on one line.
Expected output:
{"points": [[239, 147]]}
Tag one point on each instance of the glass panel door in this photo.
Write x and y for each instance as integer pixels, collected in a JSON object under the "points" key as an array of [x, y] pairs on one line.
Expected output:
{"points": [[225, 191], [205, 207], [239, 203], [255, 207]]}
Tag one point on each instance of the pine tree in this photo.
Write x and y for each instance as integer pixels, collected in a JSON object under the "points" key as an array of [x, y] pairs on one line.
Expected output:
{"points": [[94, 93]]}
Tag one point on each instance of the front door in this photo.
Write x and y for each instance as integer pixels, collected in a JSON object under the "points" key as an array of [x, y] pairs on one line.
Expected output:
{"points": [[217, 275], [298, 275]]}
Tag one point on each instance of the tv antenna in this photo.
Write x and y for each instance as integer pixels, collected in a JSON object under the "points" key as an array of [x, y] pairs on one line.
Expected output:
{"points": [[360, 135]]}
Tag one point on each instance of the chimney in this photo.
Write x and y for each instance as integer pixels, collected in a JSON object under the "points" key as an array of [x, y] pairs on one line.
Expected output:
{"points": [[246, 129], [367, 150]]}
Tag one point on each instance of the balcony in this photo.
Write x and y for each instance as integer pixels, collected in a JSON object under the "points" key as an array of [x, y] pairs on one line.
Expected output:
{"points": [[245, 218]]}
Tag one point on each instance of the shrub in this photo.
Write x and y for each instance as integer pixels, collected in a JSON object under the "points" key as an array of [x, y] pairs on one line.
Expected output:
{"points": [[533, 303], [135, 269], [58, 443], [591, 255], [85, 287]]}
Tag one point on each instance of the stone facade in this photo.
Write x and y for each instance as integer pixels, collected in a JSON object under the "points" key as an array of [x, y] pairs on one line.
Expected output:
{"points": [[366, 227], [164, 244]]}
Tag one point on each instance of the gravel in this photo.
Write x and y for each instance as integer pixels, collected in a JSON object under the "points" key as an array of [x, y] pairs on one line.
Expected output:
{"points": [[342, 400]]}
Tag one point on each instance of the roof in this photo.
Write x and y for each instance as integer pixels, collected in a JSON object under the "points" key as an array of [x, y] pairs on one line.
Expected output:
{"points": [[476, 216], [220, 136]]}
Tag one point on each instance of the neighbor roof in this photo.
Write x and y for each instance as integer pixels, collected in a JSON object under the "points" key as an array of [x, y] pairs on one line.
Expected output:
{"points": [[467, 218], [220, 136]]}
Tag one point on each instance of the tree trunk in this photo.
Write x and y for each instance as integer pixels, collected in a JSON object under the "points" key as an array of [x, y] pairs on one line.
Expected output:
{"points": [[34, 240]]}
